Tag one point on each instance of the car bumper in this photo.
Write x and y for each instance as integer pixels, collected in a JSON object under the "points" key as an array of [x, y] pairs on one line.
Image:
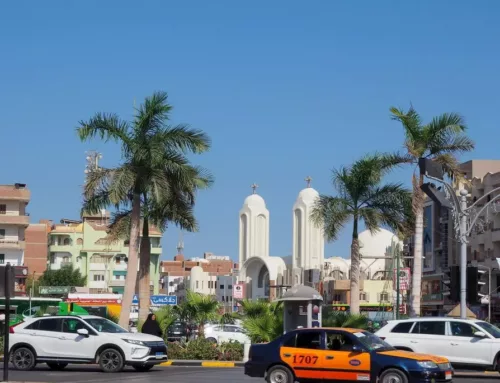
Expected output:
{"points": [[431, 376], [255, 370]]}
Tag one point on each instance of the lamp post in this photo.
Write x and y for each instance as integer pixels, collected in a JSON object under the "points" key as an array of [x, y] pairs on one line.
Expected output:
{"points": [[465, 218]]}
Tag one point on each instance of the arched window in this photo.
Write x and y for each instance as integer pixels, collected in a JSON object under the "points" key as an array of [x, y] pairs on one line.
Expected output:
{"points": [[67, 242], [65, 260], [263, 278], [79, 241]]}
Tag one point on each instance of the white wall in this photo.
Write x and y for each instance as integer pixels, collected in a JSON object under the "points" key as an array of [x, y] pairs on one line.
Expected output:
{"points": [[12, 207], [57, 259], [14, 257], [11, 232]]}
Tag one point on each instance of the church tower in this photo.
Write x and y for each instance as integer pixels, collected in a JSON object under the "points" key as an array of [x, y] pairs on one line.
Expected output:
{"points": [[308, 239], [254, 228]]}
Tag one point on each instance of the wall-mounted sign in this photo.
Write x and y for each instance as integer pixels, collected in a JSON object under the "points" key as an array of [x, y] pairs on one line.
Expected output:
{"points": [[54, 290], [238, 291], [159, 300]]}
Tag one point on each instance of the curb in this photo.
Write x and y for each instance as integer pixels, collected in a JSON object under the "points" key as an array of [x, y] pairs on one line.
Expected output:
{"points": [[477, 375], [201, 363]]}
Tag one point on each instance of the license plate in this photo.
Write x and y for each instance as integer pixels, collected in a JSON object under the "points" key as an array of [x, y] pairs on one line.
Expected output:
{"points": [[447, 375], [160, 354], [177, 333]]}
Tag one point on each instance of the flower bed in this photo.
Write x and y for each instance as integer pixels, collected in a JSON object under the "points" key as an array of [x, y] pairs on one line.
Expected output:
{"points": [[202, 349]]}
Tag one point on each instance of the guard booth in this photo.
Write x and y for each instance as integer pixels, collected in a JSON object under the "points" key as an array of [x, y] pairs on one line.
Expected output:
{"points": [[301, 308]]}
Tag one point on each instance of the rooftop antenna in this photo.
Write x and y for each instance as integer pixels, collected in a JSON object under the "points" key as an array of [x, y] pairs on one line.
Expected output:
{"points": [[180, 244], [92, 158]]}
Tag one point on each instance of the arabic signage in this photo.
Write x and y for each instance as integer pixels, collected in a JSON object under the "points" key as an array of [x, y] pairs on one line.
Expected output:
{"points": [[371, 308], [238, 291], [94, 301], [54, 290], [404, 278], [159, 300]]}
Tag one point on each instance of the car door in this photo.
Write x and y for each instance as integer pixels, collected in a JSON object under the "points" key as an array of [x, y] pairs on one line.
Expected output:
{"points": [[77, 346], [465, 348], [340, 361], [429, 337], [301, 352], [46, 333]]}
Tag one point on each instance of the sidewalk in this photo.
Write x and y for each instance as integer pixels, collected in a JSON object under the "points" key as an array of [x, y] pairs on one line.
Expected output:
{"points": [[477, 374]]}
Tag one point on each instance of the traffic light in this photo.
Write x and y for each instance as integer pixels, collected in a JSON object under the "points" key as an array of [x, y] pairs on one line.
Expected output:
{"points": [[436, 195], [473, 286]]}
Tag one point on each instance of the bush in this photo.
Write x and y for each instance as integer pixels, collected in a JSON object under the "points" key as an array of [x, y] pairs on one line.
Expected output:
{"points": [[202, 349]]}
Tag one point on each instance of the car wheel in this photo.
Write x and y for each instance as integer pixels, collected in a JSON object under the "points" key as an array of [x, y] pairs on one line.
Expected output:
{"points": [[212, 340], [144, 368], [279, 374], [23, 359], [58, 366], [393, 376], [111, 360]]}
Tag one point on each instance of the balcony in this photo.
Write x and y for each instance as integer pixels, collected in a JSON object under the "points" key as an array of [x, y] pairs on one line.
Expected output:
{"points": [[117, 283], [97, 285], [155, 249], [21, 220], [60, 248], [98, 266], [9, 244]]}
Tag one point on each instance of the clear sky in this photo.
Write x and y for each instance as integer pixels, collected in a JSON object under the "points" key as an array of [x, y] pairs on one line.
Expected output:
{"points": [[286, 89]]}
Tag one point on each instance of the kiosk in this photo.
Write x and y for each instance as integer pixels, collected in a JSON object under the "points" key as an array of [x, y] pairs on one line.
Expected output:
{"points": [[301, 308]]}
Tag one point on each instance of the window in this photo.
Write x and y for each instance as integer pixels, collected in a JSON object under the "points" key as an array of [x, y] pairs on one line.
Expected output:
{"points": [[403, 328], [429, 327], [104, 325], [290, 342], [230, 287], [98, 278], [384, 297], [2, 259], [52, 324], [229, 329], [462, 329], [362, 297], [197, 284], [310, 340], [222, 298], [66, 242], [221, 287], [3, 209], [2, 233], [71, 325], [338, 342], [491, 329], [33, 326]]}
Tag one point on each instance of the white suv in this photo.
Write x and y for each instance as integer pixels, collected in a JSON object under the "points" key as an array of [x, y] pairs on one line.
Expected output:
{"points": [[464, 342], [60, 340]]}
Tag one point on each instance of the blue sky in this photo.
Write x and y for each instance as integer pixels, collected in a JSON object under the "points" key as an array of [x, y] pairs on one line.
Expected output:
{"points": [[286, 89]]}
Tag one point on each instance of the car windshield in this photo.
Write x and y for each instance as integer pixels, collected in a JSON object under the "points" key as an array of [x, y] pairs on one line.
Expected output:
{"points": [[104, 325], [372, 342], [494, 331]]}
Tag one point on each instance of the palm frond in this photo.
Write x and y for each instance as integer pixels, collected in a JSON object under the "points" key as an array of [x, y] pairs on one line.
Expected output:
{"points": [[182, 137], [411, 122], [331, 213], [107, 127], [152, 115]]}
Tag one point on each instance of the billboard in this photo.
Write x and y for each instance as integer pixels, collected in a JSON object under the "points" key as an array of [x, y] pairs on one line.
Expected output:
{"points": [[238, 291], [428, 250]]}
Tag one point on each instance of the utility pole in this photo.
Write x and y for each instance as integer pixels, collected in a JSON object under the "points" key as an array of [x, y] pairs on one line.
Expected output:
{"points": [[465, 218], [397, 280]]}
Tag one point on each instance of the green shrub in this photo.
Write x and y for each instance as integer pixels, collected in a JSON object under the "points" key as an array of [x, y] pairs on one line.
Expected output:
{"points": [[202, 349]]}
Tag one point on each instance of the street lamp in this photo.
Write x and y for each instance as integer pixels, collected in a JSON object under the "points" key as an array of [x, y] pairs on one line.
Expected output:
{"points": [[465, 218]]}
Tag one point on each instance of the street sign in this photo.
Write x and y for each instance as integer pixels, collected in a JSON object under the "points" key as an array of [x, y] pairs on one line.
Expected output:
{"points": [[54, 290], [404, 279], [158, 300], [238, 291]]}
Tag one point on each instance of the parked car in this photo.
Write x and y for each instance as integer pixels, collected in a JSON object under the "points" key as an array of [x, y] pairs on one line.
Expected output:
{"points": [[225, 333], [465, 342], [86, 339], [178, 331]]}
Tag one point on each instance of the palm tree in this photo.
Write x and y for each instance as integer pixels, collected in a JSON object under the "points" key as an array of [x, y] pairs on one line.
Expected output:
{"points": [[165, 317], [343, 319], [361, 197], [441, 140], [203, 308], [262, 321], [154, 171]]}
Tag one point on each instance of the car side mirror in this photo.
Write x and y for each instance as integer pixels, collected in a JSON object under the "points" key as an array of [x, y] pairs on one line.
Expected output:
{"points": [[357, 349], [479, 334], [82, 332]]}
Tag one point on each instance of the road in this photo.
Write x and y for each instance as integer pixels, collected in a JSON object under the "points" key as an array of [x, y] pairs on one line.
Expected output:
{"points": [[91, 374]]}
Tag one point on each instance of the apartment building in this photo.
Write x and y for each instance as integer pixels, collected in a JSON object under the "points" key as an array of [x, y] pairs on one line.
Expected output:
{"points": [[84, 244], [13, 222], [35, 253]]}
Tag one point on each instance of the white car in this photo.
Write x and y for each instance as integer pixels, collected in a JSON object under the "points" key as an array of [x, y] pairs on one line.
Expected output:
{"points": [[225, 333], [465, 342], [85, 339]]}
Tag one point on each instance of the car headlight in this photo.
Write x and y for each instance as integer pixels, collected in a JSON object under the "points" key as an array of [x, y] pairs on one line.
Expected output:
{"points": [[427, 364], [133, 341]]}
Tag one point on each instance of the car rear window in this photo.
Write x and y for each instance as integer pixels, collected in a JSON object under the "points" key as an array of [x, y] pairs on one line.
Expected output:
{"points": [[403, 328]]}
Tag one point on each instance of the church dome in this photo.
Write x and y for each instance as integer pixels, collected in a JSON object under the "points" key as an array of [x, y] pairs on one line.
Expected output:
{"points": [[308, 194], [255, 201]]}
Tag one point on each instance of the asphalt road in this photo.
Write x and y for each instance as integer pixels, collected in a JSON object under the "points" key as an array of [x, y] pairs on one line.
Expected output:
{"points": [[91, 374]]}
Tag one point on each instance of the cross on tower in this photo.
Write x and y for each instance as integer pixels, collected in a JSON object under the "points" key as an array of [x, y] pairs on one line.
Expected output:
{"points": [[308, 180], [254, 188]]}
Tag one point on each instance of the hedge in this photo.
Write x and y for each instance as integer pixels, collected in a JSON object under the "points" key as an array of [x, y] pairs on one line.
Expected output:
{"points": [[202, 349]]}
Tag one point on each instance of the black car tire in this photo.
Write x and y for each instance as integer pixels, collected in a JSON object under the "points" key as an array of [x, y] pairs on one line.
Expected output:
{"points": [[143, 368], [111, 360], [279, 374], [212, 340], [23, 359], [393, 375], [58, 366]]}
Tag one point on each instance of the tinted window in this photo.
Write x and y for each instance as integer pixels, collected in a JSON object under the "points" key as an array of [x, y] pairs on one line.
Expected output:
{"points": [[290, 342], [72, 325], [52, 324], [33, 326], [431, 328], [309, 340], [104, 325], [491, 329], [403, 328]]}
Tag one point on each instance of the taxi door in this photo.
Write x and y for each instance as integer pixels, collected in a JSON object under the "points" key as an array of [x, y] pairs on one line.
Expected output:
{"points": [[302, 353], [341, 362]]}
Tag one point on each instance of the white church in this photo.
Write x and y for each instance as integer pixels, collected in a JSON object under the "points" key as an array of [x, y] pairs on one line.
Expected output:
{"points": [[263, 274]]}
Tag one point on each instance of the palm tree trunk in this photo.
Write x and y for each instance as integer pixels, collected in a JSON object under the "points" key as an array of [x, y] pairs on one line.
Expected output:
{"points": [[130, 280], [144, 272], [416, 283], [355, 261]]}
